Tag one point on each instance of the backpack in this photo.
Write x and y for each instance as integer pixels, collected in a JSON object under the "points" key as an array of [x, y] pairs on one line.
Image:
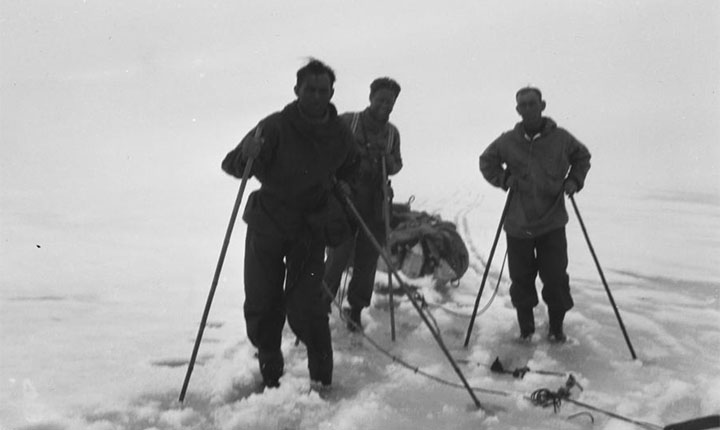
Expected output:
{"points": [[421, 244]]}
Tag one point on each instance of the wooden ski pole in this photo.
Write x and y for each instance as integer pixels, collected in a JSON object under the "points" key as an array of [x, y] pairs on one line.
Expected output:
{"points": [[218, 269], [602, 277], [409, 294], [487, 266], [386, 215]]}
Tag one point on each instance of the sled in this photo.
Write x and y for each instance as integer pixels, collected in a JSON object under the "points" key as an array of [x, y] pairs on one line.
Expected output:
{"points": [[422, 244]]}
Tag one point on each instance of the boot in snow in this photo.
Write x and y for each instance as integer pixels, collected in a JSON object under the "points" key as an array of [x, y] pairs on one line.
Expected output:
{"points": [[352, 315], [526, 321], [555, 332], [271, 367]]}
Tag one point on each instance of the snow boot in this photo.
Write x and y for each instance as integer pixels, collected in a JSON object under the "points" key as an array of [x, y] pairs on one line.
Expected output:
{"points": [[352, 315], [271, 367], [526, 321], [555, 332], [320, 367]]}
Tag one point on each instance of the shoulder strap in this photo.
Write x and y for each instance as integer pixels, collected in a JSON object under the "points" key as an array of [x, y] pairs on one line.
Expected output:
{"points": [[354, 123], [391, 139]]}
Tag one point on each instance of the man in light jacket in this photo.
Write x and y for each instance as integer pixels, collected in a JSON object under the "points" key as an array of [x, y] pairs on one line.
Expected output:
{"points": [[539, 162]]}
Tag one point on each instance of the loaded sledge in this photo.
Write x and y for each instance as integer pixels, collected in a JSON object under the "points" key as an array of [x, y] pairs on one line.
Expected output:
{"points": [[422, 244]]}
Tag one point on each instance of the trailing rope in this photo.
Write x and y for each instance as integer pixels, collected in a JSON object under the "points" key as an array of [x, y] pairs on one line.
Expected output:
{"points": [[642, 424], [403, 363], [542, 397]]}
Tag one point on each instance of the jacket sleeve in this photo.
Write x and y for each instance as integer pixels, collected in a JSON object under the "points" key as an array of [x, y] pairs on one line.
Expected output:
{"points": [[492, 165], [234, 162], [394, 158], [579, 157]]}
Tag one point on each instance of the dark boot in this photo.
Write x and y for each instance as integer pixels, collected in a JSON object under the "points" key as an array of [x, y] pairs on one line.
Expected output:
{"points": [[526, 321], [271, 367], [352, 315], [320, 366], [555, 333]]}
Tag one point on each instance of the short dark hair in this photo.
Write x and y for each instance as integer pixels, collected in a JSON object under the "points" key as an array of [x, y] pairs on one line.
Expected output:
{"points": [[385, 83], [528, 89], [314, 67]]}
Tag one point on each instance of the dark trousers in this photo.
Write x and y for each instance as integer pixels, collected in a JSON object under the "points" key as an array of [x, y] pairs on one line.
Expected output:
{"points": [[545, 255], [364, 256], [283, 279]]}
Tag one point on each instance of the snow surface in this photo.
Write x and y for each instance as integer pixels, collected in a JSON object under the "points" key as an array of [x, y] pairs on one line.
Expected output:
{"points": [[107, 346], [115, 117]]}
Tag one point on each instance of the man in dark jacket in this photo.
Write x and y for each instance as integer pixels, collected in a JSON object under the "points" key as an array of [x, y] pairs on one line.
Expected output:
{"points": [[538, 161], [378, 142], [297, 154]]}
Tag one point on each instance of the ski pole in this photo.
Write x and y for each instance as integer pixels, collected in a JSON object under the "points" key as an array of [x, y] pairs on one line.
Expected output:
{"points": [[602, 277], [386, 215], [487, 266], [218, 269], [408, 292]]}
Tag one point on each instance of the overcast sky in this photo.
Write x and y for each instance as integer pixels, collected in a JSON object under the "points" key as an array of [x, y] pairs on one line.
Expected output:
{"points": [[125, 94]]}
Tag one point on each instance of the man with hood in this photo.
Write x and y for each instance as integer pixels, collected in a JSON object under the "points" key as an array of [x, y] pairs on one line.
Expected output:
{"points": [[377, 140], [538, 162], [298, 155]]}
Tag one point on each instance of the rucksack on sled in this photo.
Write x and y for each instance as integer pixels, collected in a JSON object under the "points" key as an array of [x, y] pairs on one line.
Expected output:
{"points": [[421, 244]]}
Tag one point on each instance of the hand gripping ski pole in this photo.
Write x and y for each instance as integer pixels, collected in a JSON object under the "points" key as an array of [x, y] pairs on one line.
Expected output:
{"points": [[386, 215], [409, 294], [487, 266], [218, 269], [602, 277]]}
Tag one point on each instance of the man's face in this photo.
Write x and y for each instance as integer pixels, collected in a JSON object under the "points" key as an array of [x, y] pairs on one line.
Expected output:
{"points": [[530, 107], [314, 94], [382, 102]]}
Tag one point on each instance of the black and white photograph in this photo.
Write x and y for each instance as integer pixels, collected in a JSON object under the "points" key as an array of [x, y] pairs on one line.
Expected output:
{"points": [[359, 215]]}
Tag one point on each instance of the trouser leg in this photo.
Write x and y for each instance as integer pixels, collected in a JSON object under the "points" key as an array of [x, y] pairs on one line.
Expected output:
{"points": [[338, 260], [522, 266], [307, 306], [552, 265], [552, 262], [361, 285], [264, 306]]}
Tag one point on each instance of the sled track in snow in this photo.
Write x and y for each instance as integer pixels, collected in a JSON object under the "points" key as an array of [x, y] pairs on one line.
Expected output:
{"points": [[477, 262]]}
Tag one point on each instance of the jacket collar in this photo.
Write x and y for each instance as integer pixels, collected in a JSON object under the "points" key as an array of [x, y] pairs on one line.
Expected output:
{"points": [[292, 111], [549, 127]]}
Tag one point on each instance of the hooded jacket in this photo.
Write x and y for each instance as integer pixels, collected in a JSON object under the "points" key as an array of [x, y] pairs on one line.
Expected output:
{"points": [[295, 167], [539, 166]]}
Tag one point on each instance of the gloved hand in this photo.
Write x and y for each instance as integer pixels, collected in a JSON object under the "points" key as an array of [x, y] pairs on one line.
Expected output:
{"points": [[509, 181], [251, 145], [570, 187]]}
